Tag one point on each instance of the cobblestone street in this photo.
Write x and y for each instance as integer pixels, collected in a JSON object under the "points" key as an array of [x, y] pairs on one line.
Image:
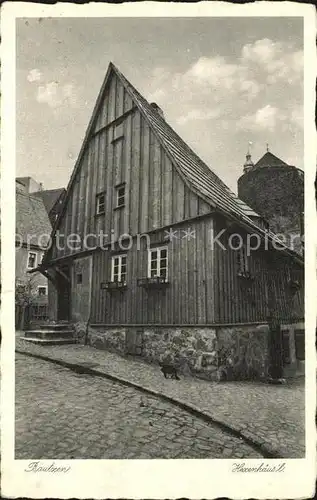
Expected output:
{"points": [[270, 414], [61, 414]]}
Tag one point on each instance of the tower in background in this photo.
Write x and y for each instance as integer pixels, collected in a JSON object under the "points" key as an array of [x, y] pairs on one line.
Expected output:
{"points": [[275, 190]]}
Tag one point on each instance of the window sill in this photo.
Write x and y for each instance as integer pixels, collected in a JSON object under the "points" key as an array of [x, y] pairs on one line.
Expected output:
{"points": [[100, 214], [159, 282], [119, 208]]}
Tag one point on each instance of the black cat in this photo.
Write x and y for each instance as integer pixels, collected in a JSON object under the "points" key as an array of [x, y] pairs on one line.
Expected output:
{"points": [[169, 369]]}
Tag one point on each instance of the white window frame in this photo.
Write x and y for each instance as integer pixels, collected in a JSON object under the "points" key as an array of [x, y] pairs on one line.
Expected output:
{"points": [[159, 258], [98, 204], [35, 260], [121, 186], [113, 260], [38, 290]]}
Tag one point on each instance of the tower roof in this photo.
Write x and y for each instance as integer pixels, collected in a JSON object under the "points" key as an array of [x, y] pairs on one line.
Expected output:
{"points": [[248, 165], [270, 160]]}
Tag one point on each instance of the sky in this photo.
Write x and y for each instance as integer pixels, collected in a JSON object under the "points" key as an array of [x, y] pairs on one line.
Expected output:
{"points": [[222, 83]]}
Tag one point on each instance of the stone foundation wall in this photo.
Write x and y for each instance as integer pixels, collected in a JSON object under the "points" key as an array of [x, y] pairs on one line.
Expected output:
{"points": [[111, 339], [193, 349], [79, 331], [244, 351], [238, 352]]}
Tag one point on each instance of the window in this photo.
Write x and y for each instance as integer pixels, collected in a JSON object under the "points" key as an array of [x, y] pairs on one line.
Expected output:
{"points": [[31, 260], [100, 203], [79, 278], [119, 268], [42, 291], [158, 263], [120, 190], [243, 260]]}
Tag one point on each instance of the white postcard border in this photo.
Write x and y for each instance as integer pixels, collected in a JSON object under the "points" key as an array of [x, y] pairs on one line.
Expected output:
{"points": [[151, 478]]}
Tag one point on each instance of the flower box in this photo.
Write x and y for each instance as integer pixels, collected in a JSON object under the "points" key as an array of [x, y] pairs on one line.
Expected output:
{"points": [[154, 282], [114, 285]]}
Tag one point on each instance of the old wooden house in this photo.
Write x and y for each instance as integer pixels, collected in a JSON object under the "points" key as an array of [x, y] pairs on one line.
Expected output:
{"points": [[150, 249]]}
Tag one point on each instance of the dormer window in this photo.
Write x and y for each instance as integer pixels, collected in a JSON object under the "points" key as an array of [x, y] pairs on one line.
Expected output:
{"points": [[100, 203], [120, 196]]}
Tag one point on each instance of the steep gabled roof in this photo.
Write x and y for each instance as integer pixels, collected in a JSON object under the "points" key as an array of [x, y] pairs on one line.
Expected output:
{"points": [[270, 160], [31, 220], [195, 173], [49, 197]]}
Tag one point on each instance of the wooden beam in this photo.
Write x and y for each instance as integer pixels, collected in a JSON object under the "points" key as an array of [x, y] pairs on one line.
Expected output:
{"points": [[49, 277], [42, 271], [67, 278]]}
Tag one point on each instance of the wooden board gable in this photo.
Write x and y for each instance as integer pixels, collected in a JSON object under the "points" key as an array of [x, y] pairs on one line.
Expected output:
{"points": [[121, 147]]}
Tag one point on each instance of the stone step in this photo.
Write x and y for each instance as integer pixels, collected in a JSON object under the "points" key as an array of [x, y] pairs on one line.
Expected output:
{"points": [[57, 341], [48, 334], [54, 326]]}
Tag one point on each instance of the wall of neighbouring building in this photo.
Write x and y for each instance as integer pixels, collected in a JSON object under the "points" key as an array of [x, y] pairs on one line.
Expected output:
{"points": [[37, 311], [36, 279]]}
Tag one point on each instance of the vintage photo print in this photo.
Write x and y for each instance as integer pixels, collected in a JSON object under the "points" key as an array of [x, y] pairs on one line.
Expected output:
{"points": [[158, 292]]}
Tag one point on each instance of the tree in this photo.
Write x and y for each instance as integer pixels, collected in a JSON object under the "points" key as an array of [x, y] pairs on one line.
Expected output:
{"points": [[25, 295]]}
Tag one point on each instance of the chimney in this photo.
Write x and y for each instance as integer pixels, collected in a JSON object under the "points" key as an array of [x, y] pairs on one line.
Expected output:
{"points": [[157, 109], [19, 186]]}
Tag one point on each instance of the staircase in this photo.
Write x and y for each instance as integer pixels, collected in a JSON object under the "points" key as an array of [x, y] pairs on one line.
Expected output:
{"points": [[51, 334]]}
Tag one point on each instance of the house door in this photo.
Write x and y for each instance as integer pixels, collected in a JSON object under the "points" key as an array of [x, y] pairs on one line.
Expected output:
{"points": [[81, 289], [63, 293]]}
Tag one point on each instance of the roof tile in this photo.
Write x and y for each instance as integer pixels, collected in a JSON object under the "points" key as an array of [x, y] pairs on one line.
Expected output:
{"points": [[200, 177], [32, 222], [49, 197]]}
